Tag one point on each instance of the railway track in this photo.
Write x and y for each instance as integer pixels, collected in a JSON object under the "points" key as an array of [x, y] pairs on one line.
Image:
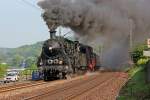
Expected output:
{"points": [[99, 86], [20, 86], [74, 89], [87, 89]]}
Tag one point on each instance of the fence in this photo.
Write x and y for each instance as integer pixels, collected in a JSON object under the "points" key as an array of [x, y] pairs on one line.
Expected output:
{"points": [[26, 75]]}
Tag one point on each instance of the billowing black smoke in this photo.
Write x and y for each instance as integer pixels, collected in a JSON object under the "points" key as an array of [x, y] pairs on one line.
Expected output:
{"points": [[102, 22]]}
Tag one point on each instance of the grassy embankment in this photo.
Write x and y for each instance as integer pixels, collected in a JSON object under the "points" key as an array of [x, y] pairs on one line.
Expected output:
{"points": [[136, 88]]}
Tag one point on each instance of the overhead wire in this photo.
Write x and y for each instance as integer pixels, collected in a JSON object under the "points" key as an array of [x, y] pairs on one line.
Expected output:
{"points": [[30, 4], [35, 7]]}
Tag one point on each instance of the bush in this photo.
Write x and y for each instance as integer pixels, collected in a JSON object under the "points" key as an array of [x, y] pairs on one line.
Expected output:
{"points": [[3, 69], [29, 70], [137, 53], [142, 61]]}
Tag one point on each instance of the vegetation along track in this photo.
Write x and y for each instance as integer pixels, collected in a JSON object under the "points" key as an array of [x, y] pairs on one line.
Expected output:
{"points": [[20, 86], [74, 89]]}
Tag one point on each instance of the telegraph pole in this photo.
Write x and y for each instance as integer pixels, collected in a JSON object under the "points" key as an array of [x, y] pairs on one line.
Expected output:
{"points": [[131, 38], [131, 34]]}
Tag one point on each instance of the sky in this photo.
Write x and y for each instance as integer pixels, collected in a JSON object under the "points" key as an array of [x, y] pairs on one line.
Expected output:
{"points": [[21, 23]]}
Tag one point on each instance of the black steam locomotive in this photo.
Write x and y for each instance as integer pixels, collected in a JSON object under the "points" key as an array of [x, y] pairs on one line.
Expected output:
{"points": [[61, 57]]}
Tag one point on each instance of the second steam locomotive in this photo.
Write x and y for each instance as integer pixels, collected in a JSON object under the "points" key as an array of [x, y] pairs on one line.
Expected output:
{"points": [[61, 57]]}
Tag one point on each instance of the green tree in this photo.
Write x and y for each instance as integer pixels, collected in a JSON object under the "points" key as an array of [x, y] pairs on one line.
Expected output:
{"points": [[3, 69], [16, 61], [30, 61], [2, 58], [137, 53]]}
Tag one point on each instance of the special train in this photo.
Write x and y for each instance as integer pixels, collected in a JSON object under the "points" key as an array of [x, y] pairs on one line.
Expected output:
{"points": [[61, 57]]}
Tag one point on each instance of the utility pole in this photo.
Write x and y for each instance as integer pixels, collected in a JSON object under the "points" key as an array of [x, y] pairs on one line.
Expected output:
{"points": [[131, 38], [131, 34]]}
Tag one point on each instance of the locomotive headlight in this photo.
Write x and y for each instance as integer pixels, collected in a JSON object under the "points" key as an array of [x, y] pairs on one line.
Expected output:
{"points": [[60, 62], [50, 48]]}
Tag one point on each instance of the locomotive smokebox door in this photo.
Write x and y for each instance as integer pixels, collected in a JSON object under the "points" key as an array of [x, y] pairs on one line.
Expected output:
{"points": [[148, 72]]}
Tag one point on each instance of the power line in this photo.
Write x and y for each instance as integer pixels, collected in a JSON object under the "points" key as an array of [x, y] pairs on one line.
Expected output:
{"points": [[30, 4]]}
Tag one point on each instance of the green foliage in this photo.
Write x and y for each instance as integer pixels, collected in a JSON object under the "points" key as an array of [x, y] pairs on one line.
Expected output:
{"points": [[138, 53], [17, 60], [136, 88], [29, 70], [134, 70], [3, 69], [30, 61], [15, 56], [33, 67], [2, 58], [142, 61]]}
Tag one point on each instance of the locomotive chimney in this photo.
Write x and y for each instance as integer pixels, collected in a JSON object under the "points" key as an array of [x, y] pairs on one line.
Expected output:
{"points": [[52, 34]]}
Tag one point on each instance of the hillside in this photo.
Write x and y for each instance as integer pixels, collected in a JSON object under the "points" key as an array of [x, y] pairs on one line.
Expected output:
{"points": [[14, 56]]}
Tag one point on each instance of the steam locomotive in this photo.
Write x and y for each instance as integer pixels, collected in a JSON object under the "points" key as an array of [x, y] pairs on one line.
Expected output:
{"points": [[61, 57]]}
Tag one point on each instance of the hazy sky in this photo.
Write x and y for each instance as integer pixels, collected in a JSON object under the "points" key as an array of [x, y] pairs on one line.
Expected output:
{"points": [[20, 23]]}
